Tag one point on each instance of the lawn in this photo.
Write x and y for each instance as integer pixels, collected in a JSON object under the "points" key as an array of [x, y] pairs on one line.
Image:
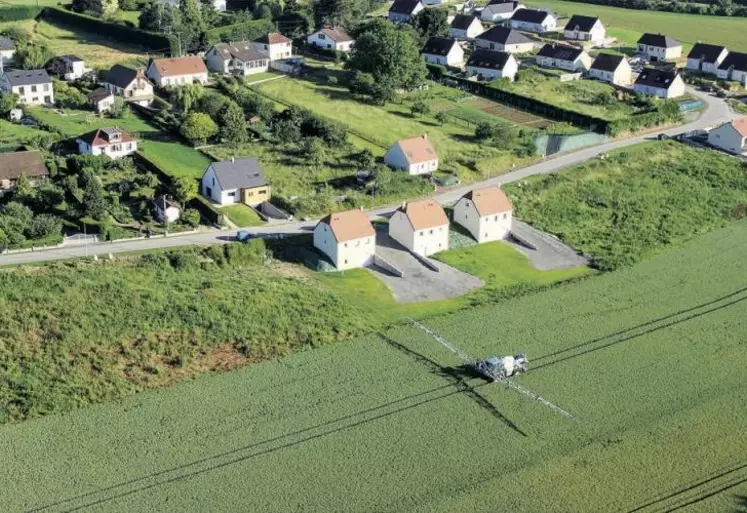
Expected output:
{"points": [[629, 24], [14, 133], [649, 360], [242, 215], [636, 202]]}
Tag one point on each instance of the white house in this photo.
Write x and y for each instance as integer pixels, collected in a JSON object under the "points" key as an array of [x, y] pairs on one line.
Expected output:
{"points": [[661, 83], [533, 20], [585, 28], [238, 58], [235, 181], [504, 39], [706, 58], [111, 141], [731, 136], [403, 11], [659, 48], [7, 50], [347, 238], [415, 155], [614, 69], [66, 67], [734, 67], [444, 51], [177, 71], [569, 58], [421, 226], [33, 86], [489, 65], [335, 39], [100, 99], [498, 11], [465, 27], [166, 210], [130, 84], [486, 213], [274, 44]]}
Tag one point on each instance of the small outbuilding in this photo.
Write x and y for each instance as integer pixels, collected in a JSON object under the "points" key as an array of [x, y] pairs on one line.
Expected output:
{"points": [[416, 155], [486, 213], [347, 238], [166, 210], [421, 226]]}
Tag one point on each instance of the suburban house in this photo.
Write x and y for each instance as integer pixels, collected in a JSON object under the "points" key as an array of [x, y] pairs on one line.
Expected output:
{"points": [[614, 69], [465, 27], [585, 28], [533, 20], [656, 82], [706, 58], [504, 39], [658, 47], [274, 44], [66, 67], [14, 164], [235, 181], [32, 86], [734, 67], [415, 155], [569, 58], [100, 99], [131, 84], [7, 50], [166, 210], [177, 71], [239, 58], [499, 11], [335, 39], [444, 51], [347, 238], [489, 65], [111, 141], [403, 11], [421, 226], [731, 136], [486, 213]]}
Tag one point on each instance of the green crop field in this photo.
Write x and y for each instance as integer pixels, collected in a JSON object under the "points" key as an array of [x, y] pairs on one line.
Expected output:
{"points": [[649, 360], [628, 24]]}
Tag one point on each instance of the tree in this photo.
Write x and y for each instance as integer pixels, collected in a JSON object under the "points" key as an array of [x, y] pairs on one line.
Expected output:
{"points": [[420, 108], [191, 217], [68, 97], [339, 12], [364, 84], [364, 160], [44, 225], [184, 189], [233, 123], [117, 108], [313, 148], [8, 101], [159, 17], [198, 127], [211, 103], [431, 22], [484, 131], [24, 191], [185, 96], [263, 12], [441, 117], [32, 56], [94, 201], [103, 8], [391, 56], [192, 24]]}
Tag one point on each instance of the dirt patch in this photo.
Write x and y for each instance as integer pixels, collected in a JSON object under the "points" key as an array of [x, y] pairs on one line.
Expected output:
{"points": [[288, 270], [225, 357]]}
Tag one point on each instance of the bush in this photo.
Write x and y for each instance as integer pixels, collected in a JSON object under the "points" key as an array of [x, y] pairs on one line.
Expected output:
{"points": [[184, 260], [191, 217], [247, 31], [246, 254], [19, 12], [43, 226]]}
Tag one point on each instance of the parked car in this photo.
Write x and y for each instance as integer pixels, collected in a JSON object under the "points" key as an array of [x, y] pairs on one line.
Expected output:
{"points": [[244, 236]]}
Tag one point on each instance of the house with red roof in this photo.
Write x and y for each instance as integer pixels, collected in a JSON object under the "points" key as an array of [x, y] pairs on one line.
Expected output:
{"points": [[731, 136], [111, 141]]}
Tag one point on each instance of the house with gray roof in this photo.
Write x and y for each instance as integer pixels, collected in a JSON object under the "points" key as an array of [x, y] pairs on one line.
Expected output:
{"points": [[240, 58], [239, 180], [7, 50], [129, 83], [659, 47], [32, 86], [504, 39]]}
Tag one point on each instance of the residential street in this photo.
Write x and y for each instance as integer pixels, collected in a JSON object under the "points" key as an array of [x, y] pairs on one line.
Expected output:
{"points": [[717, 112]]}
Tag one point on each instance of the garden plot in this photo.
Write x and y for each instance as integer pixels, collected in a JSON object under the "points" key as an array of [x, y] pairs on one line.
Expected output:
{"points": [[514, 116]]}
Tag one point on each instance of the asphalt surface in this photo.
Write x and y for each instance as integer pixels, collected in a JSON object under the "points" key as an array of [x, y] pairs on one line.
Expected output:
{"points": [[717, 112]]}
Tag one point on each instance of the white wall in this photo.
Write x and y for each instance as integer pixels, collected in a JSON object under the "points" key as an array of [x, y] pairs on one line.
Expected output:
{"points": [[215, 61], [549, 24], [582, 63], [276, 51], [397, 17], [114, 151], [323, 41], [104, 104], [199, 78], [250, 68], [726, 138], [172, 214], [7, 56], [349, 254], [595, 35], [509, 70], [483, 228], [31, 94], [676, 89], [655, 53], [474, 30], [455, 57], [395, 158]]}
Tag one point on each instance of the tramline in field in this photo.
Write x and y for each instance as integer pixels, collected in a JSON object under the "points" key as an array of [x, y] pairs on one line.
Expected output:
{"points": [[497, 368]]}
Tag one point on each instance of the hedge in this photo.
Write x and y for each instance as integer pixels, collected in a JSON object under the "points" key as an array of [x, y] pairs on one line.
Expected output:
{"points": [[207, 210], [158, 43], [247, 31], [19, 12]]}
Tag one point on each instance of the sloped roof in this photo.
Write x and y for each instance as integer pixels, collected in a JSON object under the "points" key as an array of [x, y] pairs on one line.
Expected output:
{"points": [[101, 136], [489, 201], [417, 149], [607, 62], [439, 45], [653, 77], [499, 7], [349, 225], [7, 44], [28, 77], [425, 214], [404, 6], [658, 40], [582, 23], [735, 60], [504, 36], [177, 66], [239, 173], [530, 15], [273, 38], [99, 94], [122, 76], [336, 34], [242, 50], [488, 59], [560, 52], [740, 125], [163, 199], [15, 164], [463, 21], [705, 51]]}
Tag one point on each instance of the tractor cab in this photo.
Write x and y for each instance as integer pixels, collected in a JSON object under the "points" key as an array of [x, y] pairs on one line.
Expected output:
{"points": [[502, 367]]}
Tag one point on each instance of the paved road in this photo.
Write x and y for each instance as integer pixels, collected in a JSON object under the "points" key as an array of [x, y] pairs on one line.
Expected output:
{"points": [[717, 111]]}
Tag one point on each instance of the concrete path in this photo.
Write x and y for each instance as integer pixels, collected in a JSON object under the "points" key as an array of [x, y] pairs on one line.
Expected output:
{"points": [[548, 252], [717, 112]]}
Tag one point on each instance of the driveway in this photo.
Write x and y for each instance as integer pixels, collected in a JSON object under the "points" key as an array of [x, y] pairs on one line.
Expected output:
{"points": [[419, 283], [543, 250]]}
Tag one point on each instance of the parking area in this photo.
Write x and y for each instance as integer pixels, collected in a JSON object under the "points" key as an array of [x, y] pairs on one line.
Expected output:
{"points": [[543, 250]]}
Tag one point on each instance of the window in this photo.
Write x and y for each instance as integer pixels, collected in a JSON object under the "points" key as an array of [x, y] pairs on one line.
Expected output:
{"points": [[46, 88], [357, 244], [505, 216], [421, 234], [346, 260], [33, 88], [321, 36], [129, 146], [368, 241], [431, 232], [495, 218], [346, 244], [231, 194], [20, 90], [213, 181], [250, 193]]}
